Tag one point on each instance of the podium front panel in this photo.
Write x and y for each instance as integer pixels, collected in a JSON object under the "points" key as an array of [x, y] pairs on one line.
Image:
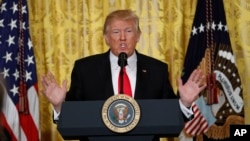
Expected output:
{"points": [[161, 117]]}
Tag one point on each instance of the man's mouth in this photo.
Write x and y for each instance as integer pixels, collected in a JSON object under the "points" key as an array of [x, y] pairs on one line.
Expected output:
{"points": [[123, 45]]}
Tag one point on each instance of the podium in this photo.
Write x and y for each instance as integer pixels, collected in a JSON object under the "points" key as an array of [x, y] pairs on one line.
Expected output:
{"points": [[161, 118]]}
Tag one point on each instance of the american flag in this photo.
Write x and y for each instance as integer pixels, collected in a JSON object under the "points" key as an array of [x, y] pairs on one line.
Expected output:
{"points": [[18, 71], [210, 49]]}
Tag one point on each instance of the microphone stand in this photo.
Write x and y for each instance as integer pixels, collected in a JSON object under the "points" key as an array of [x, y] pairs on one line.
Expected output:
{"points": [[122, 62], [121, 80]]}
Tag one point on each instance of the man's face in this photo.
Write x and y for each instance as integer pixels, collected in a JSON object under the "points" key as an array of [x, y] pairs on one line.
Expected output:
{"points": [[122, 36]]}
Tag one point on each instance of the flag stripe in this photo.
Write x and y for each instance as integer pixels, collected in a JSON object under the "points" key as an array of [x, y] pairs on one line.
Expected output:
{"points": [[10, 113], [34, 100], [30, 131], [198, 124]]}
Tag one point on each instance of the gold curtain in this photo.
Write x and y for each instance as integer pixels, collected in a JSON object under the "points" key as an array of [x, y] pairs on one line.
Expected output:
{"points": [[65, 30]]}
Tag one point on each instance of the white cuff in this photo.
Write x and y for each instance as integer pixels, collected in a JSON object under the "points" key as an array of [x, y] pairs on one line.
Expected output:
{"points": [[56, 115], [188, 112]]}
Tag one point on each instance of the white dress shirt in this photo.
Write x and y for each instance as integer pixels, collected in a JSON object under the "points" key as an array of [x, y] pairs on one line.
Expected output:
{"points": [[130, 69]]}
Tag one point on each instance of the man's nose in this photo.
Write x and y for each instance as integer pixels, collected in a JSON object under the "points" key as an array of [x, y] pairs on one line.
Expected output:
{"points": [[122, 36]]}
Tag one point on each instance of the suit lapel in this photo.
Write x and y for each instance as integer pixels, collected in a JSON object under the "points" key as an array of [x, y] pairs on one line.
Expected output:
{"points": [[105, 72], [141, 77]]}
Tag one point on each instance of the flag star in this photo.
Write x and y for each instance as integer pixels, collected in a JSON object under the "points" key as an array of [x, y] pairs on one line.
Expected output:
{"points": [[219, 65], [7, 57], [3, 8], [14, 90], [231, 57], [201, 28], [30, 44], [18, 58], [231, 110], [11, 40], [16, 74], [220, 26], [13, 24], [194, 30], [14, 8], [23, 25], [233, 74], [24, 10], [1, 23], [29, 60], [225, 28], [238, 80], [28, 76], [213, 26], [5, 72]]}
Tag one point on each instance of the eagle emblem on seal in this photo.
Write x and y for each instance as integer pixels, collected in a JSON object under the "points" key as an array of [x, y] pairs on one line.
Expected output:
{"points": [[121, 113]]}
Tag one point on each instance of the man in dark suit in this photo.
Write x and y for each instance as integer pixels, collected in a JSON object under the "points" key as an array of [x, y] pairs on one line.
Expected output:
{"points": [[96, 77]]}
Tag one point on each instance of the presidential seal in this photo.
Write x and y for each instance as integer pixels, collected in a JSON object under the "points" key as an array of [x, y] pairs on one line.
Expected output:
{"points": [[120, 113]]}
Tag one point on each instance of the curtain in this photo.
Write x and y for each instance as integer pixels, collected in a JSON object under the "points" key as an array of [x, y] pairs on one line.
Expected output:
{"points": [[65, 30]]}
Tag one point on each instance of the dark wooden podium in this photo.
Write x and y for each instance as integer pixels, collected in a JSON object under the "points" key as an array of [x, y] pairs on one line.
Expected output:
{"points": [[161, 117]]}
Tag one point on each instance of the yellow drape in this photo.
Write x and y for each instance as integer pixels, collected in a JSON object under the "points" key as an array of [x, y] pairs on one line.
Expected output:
{"points": [[65, 30]]}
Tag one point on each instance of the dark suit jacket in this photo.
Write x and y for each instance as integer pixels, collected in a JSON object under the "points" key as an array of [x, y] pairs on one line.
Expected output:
{"points": [[91, 79]]}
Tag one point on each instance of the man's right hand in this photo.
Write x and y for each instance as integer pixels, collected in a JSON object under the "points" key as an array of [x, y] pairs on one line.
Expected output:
{"points": [[53, 92]]}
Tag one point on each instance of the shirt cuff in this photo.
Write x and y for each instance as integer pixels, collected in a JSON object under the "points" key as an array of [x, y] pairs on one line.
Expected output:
{"points": [[56, 115], [188, 112]]}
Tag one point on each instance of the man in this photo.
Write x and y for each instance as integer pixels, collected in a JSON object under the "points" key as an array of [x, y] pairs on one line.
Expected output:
{"points": [[96, 77]]}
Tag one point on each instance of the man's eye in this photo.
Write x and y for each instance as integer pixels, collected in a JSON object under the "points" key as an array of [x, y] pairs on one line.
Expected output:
{"points": [[115, 32]]}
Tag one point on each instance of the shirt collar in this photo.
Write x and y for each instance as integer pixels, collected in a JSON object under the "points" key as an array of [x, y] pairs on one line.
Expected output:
{"points": [[131, 61]]}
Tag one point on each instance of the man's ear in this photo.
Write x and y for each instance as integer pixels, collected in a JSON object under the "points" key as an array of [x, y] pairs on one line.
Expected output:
{"points": [[138, 37], [106, 39]]}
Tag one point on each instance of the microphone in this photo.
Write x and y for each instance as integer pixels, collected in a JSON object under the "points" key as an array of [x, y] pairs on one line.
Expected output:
{"points": [[122, 62], [122, 59]]}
